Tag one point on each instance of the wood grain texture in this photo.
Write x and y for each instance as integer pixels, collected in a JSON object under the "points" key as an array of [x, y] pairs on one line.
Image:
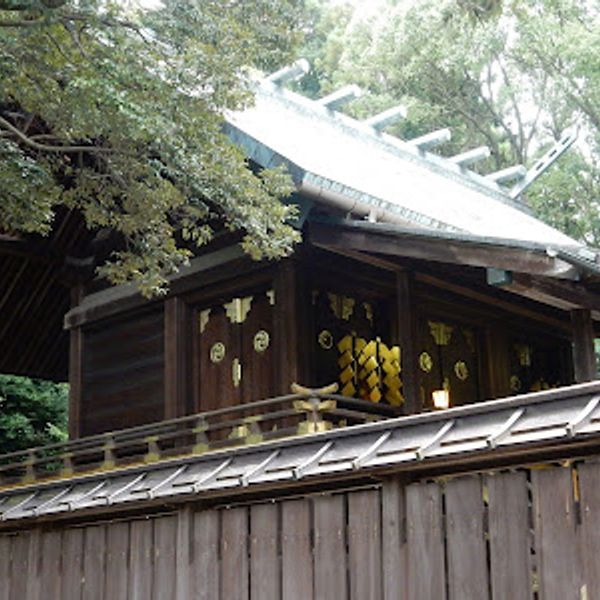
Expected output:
{"points": [[330, 547], [364, 544], [140, 560], [165, 538], [177, 346], [184, 553], [34, 563], [94, 562], [467, 568], [555, 534], [5, 558], [296, 551], [206, 555], [589, 532], [264, 560], [425, 539], [72, 564], [584, 358], [18, 566], [510, 559], [394, 548], [50, 567], [117, 566], [75, 381], [234, 554]]}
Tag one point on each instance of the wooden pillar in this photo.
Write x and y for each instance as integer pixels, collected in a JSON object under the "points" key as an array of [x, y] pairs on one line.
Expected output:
{"points": [[406, 336], [75, 369], [176, 356], [496, 367], [584, 358]]}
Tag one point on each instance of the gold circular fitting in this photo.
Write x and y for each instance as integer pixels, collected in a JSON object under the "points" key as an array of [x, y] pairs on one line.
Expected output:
{"points": [[261, 340], [325, 339], [217, 352], [425, 362], [461, 370]]}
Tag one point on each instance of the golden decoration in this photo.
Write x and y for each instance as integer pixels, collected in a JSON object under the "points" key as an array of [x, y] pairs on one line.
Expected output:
{"points": [[236, 372], [271, 296], [524, 354], [325, 339], [217, 352], [341, 306], [441, 332], [461, 370], [368, 312], [425, 362], [237, 310], [261, 340], [203, 317], [515, 383]]}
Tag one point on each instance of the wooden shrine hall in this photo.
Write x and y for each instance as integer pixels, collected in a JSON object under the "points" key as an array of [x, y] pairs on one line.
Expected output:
{"points": [[404, 408]]}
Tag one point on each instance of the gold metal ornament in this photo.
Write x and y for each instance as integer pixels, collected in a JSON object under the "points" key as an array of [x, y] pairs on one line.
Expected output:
{"points": [[515, 383], [441, 332], [271, 296], [341, 306], [203, 317], [236, 372], [524, 354], [368, 312], [237, 310], [461, 370], [217, 352], [261, 340], [425, 362], [325, 339]]}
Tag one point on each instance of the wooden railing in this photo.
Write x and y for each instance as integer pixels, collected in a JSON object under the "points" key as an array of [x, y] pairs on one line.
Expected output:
{"points": [[274, 418]]}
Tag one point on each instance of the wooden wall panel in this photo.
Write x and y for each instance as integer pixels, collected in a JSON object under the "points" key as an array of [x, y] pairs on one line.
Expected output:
{"points": [[140, 560], [394, 548], [123, 374], [265, 582], [206, 555], [5, 567], [589, 482], [234, 554], [467, 568], [165, 539], [51, 550], [330, 547], [117, 564], [555, 534], [425, 538], [94, 562], [19, 566], [364, 544], [510, 558], [296, 552], [72, 564]]}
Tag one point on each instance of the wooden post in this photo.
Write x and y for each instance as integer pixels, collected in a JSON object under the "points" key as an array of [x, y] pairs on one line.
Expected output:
{"points": [[496, 367], [584, 358], [406, 337], [176, 380], [75, 369]]}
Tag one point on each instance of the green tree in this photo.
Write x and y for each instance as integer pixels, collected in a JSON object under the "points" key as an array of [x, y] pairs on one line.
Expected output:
{"points": [[32, 413], [117, 112], [510, 75]]}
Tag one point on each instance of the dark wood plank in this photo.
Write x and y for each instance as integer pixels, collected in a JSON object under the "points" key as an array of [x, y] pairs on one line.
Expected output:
{"points": [[467, 569], [177, 337], [165, 538], [425, 540], [75, 381], [117, 567], [50, 567], [364, 545], [510, 557], [234, 554], [330, 547], [393, 548], [555, 534], [584, 357], [589, 532], [34, 563], [72, 564], [206, 552], [296, 552], [19, 566], [264, 561], [5, 557], [184, 553], [94, 562], [496, 361], [140, 560]]}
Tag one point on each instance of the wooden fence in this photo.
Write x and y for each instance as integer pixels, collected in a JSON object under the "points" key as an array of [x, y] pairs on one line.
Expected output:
{"points": [[522, 534]]}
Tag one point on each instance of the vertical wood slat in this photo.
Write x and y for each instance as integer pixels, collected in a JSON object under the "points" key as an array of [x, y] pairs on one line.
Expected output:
{"points": [[264, 560], [165, 538], [75, 381], [140, 560], [205, 551], [185, 553], [510, 559], [72, 564], [589, 484], [555, 534], [234, 554], [94, 562], [18, 566], [34, 559], [364, 544], [394, 549], [467, 568], [584, 358], [5, 558], [425, 541], [176, 353], [50, 567], [117, 564], [296, 552], [330, 547]]}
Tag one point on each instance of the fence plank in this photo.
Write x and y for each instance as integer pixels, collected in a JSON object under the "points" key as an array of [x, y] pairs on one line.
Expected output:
{"points": [[296, 553], [393, 533], [71, 566], [510, 560], [94, 562], [234, 554], [555, 534], [165, 539], [18, 566], [589, 482], [264, 561], [364, 544], [34, 561], [51, 550], [425, 540], [330, 547], [140, 560], [117, 567], [4, 567], [205, 553], [184, 553]]}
